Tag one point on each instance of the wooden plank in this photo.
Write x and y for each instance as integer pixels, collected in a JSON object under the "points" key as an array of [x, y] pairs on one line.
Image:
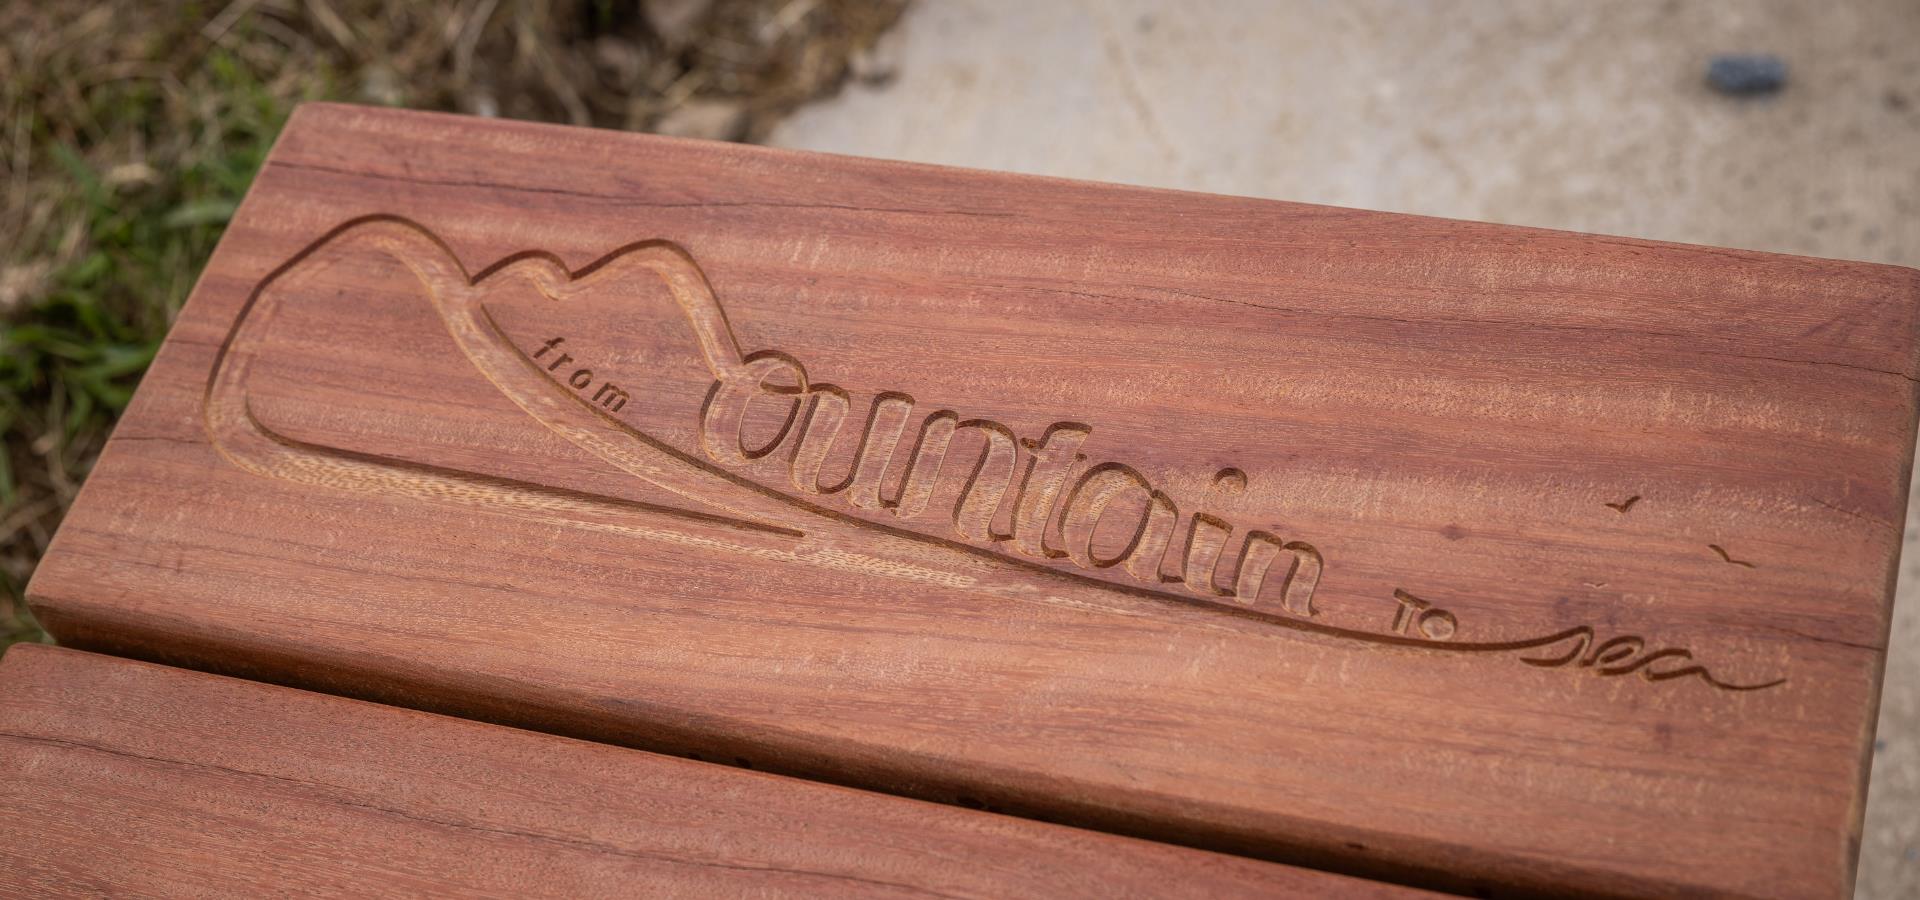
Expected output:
{"points": [[1483, 557], [126, 777]]}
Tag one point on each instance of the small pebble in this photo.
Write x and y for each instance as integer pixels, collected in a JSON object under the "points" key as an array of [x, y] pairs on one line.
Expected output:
{"points": [[1747, 74]]}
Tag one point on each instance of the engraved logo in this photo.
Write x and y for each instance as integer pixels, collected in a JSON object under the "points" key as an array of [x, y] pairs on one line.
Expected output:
{"points": [[1001, 522]]}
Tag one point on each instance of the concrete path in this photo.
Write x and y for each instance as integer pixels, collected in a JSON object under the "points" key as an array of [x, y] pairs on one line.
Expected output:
{"points": [[1566, 114]]}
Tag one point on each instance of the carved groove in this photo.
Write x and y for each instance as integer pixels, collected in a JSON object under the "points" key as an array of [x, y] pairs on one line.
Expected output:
{"points": [[1050, 489]]}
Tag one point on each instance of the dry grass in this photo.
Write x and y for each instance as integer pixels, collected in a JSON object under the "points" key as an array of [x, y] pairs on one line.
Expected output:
{"points": [[132, 129]]}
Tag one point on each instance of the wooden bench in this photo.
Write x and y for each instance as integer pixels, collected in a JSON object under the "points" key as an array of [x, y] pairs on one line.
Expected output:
{"points": [[129, 778], [1473, 557]]}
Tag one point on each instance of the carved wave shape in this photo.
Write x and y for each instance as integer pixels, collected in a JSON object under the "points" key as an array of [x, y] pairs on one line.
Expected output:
{"points": [[765, 522], [1629, 654]]}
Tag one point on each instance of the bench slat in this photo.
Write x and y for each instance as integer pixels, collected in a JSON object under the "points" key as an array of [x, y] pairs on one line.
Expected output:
{"points": [[126, 777]]}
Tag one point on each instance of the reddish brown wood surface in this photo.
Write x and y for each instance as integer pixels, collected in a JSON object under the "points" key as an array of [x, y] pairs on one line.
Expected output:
{"points": [[125, 778], [1475, 556]]}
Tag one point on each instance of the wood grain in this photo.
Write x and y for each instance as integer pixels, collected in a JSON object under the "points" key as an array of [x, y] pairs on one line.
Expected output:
{"points": [[1479, 557], [129, 778]]}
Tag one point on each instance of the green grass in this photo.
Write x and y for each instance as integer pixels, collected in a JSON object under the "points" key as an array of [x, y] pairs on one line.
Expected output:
{"points": [[70, 359]]}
